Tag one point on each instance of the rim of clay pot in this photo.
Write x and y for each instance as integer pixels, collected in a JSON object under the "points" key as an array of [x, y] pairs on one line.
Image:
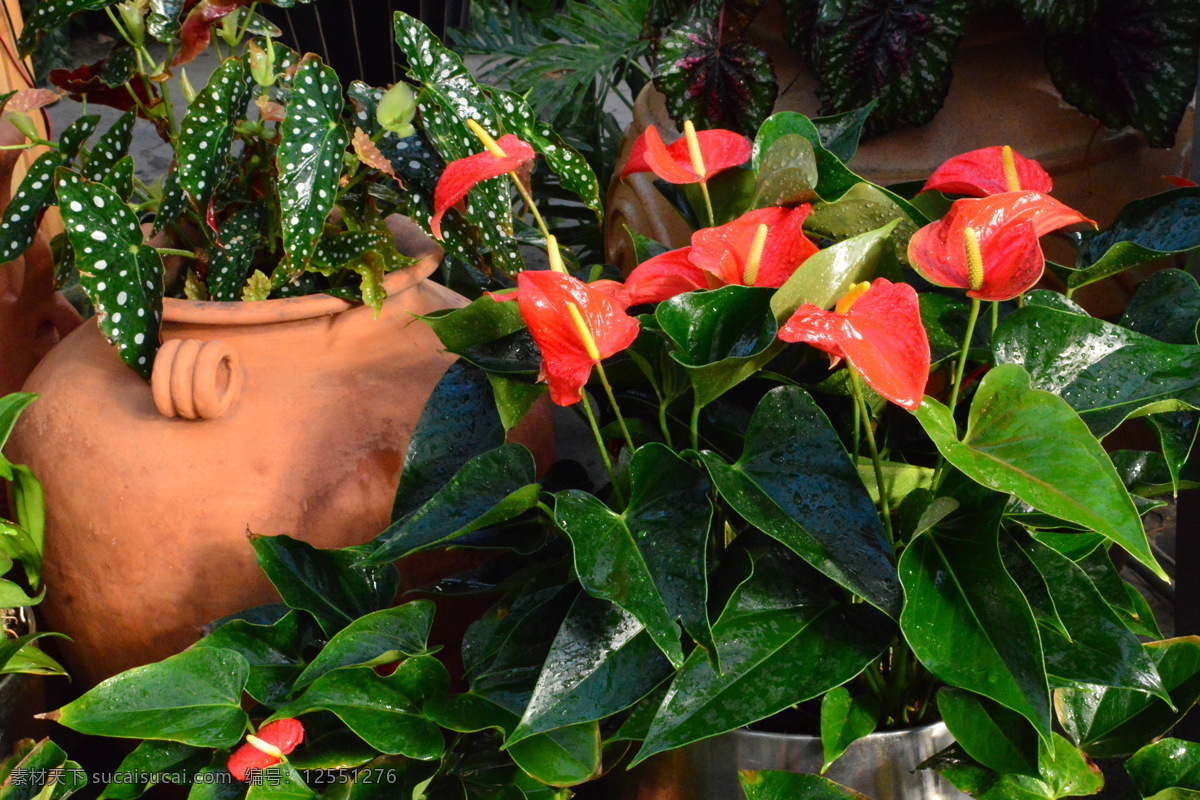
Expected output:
{"points": [[291, 309], [902, 733]]}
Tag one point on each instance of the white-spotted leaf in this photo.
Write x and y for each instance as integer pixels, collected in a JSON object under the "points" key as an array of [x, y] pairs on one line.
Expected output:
{"points": [[122, 276], [19, 222], [49, 14], [206, 133], [120, 178], [173, 202], [310, 160], [110, 148], [231, 256]]}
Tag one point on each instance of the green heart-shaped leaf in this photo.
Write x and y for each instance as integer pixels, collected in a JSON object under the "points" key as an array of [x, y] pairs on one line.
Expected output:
{"points": [[403, 631]]}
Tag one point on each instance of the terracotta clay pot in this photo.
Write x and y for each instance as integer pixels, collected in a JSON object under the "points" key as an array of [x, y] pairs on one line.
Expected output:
{"points": [[33, 316], [277, 417], [1001, 94]]}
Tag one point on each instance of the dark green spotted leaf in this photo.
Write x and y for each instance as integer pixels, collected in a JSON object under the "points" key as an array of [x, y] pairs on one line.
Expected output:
{"points": [[782, 639], [492, 487], [163, 19], [771, 785], [335, 586], [191, 698], [49, 14], [233, 253], [1133, 63], [382, 636], [715, 83], [1066, 15], [206, 132], [985, 638], [122, 276], [1030, 443], [650, 559], [18, 224], [449, 98], [274, 652], [120, 178], [1166, 307], [1063, 772], [898, 55], [1166, 764], [173, 202], [385, 712], [1109, 722], [311, 147], [411, 157], [1148, 229], [119, 68], [602, 661], [844, 720], [110, 148], [1105, 372]]}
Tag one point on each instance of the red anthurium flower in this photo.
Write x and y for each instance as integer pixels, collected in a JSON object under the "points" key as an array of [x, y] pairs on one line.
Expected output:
{"points": [[1179, 182], [266, 749], [989, 246], [877, 328], [502, 156], [992, 170], [664, 276], [574, 325], [739, 252], [695, 157]]}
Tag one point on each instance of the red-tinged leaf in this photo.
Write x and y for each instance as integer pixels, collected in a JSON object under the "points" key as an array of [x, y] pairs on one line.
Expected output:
{"points": [[28, 100], [460, 176], [980, 173], [196, 31], [881, 336], [720, 150], [725, 251], [543, 297], [84, 82], [664, 276], [284, 734], [1008, 226], [1178, 181], [370, 155], [269, 110]]}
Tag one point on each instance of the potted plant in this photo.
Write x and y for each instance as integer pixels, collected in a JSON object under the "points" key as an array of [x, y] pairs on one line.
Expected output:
{"points": [[254, 318], [921, 534], [21, 541]]}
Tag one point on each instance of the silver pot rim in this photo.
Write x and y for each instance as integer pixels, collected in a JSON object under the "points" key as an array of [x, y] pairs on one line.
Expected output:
{"points": [[920, 730]]}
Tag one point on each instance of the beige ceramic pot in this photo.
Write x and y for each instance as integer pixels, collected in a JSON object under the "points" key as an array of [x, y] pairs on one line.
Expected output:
{"points": [[277, 417], [1001, 94]]}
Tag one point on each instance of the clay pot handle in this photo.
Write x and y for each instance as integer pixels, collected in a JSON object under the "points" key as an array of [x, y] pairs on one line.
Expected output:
{"points": [[195, 379]]}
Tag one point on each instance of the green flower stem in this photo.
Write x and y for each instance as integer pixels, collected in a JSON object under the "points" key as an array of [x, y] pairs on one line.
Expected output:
{"points": [[995, 315], [962, 356], [861, 400], [708, 206], [616, 408], [662, 423], [171, 251], [694, 426], [608, 465], [532, 206]]}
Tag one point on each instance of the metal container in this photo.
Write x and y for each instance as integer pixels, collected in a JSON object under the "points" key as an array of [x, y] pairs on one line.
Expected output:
{"points": [[882, 766]]}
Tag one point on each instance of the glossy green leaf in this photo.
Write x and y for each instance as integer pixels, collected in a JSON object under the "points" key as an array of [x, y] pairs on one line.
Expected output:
{"points": [[490, 488], [28, 507], [840, 133], [1151, 228], [45, 773], [514, 398], [122, 276], [1105, 372], [602, 661], [721, 337], [312, 143], [945, 321], [829, 273], [991, 734], [163, 19], [11, 406], [484, 320], [385, 635], [781, 640], [31, 660], [274, 652], [1065, 772], [562, 757], [899, 480], [23, 645], [110, 148], [19, 220], [385, 712], [1166, 307], [649, 559], [770, 785], [144, 767], [120, 178], [190, 698], [173, 202], [49, 14], [335, 586], [862, 209], [1124, 599], [206, 132], [795, 483], [1114, 722], [1099, 648], [1163, 765], [1030, 443], [788, 175], [280, 782], [233, 252], [845, 720]]}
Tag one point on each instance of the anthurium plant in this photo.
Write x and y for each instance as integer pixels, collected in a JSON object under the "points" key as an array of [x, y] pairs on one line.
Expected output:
{"points": [[841, 468], [21, 542]]}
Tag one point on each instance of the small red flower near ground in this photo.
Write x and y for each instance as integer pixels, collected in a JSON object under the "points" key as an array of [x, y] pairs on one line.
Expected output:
{"points": [[696, 156], [989, 246], [575, 326], [992, 170], [460, 176], [877, 328], [266, 749]]}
